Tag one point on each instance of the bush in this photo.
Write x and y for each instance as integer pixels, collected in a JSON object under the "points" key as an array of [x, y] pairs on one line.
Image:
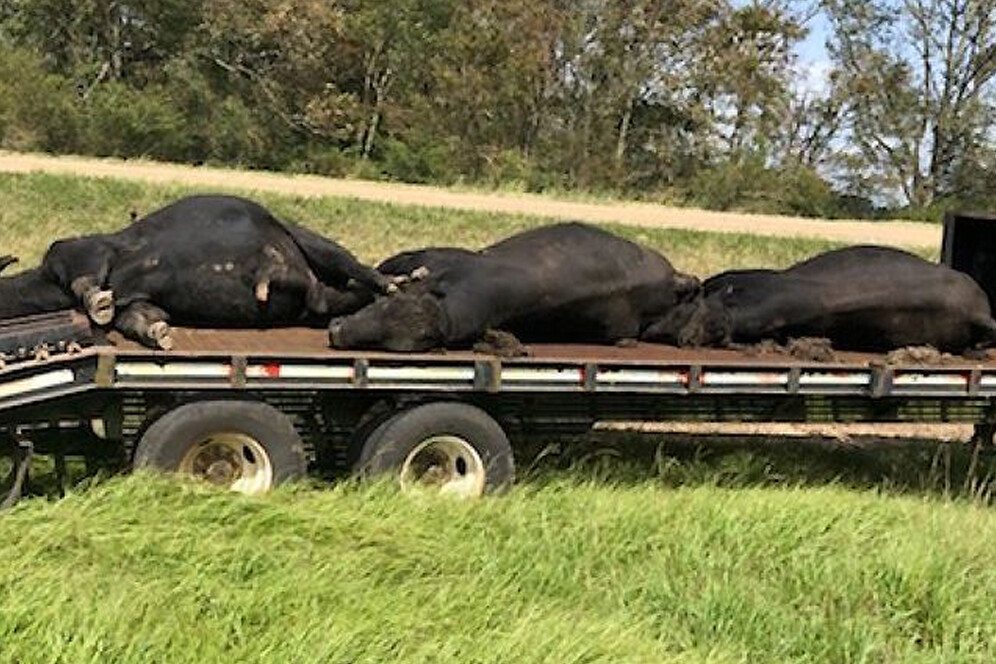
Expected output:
{"points": [[323, 160], [720, 187], [748, 185], [513, 170], [126, 122], [232, 134], [37, 109], [417, 161]]}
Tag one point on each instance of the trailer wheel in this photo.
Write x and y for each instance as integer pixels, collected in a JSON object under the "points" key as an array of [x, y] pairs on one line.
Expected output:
{"points": [[247, 446], [453, 448]]}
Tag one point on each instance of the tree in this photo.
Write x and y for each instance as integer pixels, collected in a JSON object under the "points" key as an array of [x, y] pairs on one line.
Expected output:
{"points": [[387, 47], [98, 40], [917, 76], [283, 57], [745, 72]]}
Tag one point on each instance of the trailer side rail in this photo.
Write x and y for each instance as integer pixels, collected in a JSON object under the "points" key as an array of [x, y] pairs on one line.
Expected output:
{"points": [[489, 374], [37, 381]]}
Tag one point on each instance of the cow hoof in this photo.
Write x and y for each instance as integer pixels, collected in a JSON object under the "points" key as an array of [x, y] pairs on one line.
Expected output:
{"points": [[420, 273], [161, 335], [335, 334], [100, 306], [263, 291]]}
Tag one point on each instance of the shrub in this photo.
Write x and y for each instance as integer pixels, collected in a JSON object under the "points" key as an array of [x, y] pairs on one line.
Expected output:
{"points": [[749, 185], [417, 161], [126, 122], [37, 109]]}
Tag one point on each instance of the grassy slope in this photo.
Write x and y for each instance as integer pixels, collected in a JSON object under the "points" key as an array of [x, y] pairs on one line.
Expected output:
{"points": [[145, 570], [38, 208], [666, 565]]}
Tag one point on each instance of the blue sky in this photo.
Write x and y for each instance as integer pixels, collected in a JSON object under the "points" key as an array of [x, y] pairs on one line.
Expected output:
{"points": [[813, 61]]}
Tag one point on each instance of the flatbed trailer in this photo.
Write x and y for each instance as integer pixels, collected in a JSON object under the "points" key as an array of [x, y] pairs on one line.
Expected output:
{"points": [[250, 409]]}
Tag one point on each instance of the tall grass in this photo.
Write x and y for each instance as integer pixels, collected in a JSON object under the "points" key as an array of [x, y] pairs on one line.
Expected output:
{"points": [[143, 569], [39, 208]]}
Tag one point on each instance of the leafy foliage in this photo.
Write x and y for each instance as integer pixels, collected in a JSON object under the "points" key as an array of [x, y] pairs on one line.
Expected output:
{"points": [[638, 97]]}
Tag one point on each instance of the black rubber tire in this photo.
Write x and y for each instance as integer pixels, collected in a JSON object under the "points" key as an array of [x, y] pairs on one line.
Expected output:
{"points": [[384, 451], [167, 440], [984, 433]]}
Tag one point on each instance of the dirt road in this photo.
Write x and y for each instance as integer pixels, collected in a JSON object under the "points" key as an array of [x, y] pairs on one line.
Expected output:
{"points": [[903, 234]]}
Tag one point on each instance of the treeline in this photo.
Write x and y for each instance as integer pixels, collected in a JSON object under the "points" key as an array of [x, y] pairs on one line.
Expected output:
{"points": [[688, 101]]}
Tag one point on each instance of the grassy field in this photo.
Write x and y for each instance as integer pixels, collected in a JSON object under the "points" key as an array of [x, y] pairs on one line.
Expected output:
{"points": [[661, 551], [562, 570], [39, 208]]}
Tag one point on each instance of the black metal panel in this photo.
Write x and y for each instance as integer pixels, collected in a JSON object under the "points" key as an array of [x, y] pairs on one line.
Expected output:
{"points": [[970, 247]]}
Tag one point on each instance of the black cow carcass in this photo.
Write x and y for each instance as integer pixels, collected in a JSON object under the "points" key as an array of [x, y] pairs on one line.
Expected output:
{"points": [[210, 260], [566, 282], [863, 298], [30, 292]]}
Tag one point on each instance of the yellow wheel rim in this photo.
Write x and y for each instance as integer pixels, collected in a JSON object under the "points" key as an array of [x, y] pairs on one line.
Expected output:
{"points": [[232, 460], [447, 464]]}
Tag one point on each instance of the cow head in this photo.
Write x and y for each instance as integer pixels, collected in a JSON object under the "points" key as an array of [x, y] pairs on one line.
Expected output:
{"points": [[701, 321], [407, 321]]}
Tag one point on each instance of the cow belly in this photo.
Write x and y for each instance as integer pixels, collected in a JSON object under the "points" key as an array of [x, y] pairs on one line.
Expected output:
{"points": [[884, 330], [944, 330], [223, 301]]}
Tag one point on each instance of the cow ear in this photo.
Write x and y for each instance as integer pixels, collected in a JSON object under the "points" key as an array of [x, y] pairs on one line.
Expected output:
{"points": [[686, 287]]}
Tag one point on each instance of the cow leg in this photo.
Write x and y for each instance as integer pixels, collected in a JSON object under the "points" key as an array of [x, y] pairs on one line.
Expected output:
{"points": [[98, 302], [327, 301], [7, 261], [145, 323], [399, 281], [81, 266], [320, 299], [274, 270], [331, 262]]}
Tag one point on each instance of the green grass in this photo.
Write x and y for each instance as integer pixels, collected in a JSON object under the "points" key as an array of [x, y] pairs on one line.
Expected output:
{"points": [[143, 570], [651, 552], [39, 208]]}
